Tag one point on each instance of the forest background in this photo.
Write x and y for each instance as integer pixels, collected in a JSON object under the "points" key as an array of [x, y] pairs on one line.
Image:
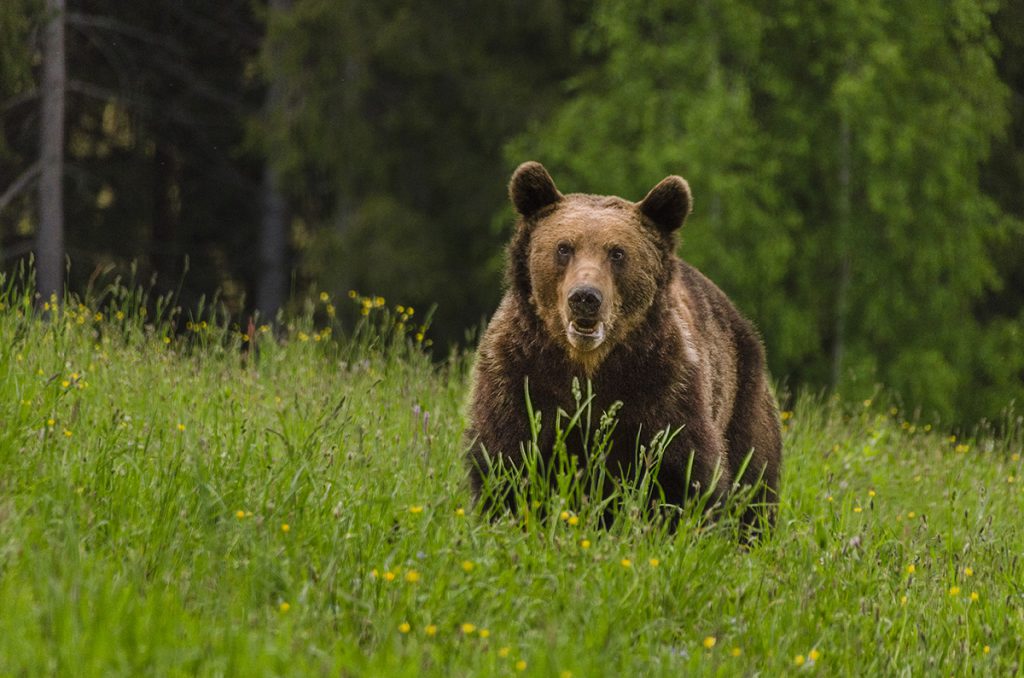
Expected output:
{"points": [[857, 167]]}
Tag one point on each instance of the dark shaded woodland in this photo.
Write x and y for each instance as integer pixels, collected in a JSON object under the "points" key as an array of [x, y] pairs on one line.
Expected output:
{"points": [[857, 167]]}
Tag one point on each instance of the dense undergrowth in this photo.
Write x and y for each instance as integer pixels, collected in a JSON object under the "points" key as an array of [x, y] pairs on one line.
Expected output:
{"points": [[180, 496]]}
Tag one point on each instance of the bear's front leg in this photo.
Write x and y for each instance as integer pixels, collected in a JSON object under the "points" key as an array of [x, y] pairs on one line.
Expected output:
{"points": [[693, 465], [495, 445]]}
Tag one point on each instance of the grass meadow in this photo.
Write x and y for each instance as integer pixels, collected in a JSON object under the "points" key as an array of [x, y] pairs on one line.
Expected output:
{"points": [[243, 502]]}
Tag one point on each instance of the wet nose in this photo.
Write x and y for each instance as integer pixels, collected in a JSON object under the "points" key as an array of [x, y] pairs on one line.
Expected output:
{"points": [[585, 301]]}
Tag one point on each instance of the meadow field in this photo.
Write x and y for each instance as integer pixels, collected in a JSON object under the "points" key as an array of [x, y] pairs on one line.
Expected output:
{"points": [[241, 501]]}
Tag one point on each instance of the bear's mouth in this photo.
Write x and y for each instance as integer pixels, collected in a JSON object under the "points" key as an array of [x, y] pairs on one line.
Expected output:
{"points": [[585, 333]]}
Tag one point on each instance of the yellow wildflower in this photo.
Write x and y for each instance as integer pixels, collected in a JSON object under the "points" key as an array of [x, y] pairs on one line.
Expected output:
{"points": [[521, 665], [468, 628], [467, 565], [404, 627], [430, 630], [709, 642], [284, 607], [412, 576]]}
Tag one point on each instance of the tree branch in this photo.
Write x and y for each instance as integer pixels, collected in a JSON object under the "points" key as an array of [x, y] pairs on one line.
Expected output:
{"points": [[21, 184], [18, 99], [80, 20], [19, 249]]}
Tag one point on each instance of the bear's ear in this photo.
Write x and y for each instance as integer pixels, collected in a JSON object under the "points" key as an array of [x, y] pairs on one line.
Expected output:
{"points": [[668, 203], [532, 189]]}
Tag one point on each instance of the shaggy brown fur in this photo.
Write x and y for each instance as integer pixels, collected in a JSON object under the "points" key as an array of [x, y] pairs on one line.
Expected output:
{"points": [[596, 291]]}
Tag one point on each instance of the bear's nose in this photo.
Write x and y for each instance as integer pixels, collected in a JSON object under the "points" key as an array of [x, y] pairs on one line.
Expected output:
{"points": [[585, 301]]}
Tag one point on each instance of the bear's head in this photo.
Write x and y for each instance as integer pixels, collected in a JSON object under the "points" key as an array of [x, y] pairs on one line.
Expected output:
{"points": [[592, 266]]}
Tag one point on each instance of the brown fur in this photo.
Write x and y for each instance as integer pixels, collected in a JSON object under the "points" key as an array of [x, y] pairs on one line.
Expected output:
{"points": [[665, 341]]}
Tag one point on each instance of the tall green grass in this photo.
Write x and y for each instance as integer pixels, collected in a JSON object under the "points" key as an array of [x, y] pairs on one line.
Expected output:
{"points": [[181, 496]]}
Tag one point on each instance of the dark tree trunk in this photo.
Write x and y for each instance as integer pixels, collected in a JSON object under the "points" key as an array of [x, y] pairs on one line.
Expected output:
{"points": [[50, 236], [273, 274]]}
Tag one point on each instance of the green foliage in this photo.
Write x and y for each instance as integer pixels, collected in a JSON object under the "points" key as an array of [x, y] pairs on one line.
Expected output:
{"points": [[391, 140], [196, 505], [857, 166], [17, 19], [836, 179]]}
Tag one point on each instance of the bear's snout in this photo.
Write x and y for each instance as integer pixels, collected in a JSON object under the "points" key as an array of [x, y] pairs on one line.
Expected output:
{"points": [[585, 321], [585, 301]]}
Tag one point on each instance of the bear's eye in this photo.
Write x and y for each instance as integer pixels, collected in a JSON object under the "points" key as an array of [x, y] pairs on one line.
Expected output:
{"points": [[564, 250], [616, 254]]}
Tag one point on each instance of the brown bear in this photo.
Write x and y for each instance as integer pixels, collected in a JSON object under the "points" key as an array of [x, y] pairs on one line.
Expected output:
{"points": [[596, 291]]}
